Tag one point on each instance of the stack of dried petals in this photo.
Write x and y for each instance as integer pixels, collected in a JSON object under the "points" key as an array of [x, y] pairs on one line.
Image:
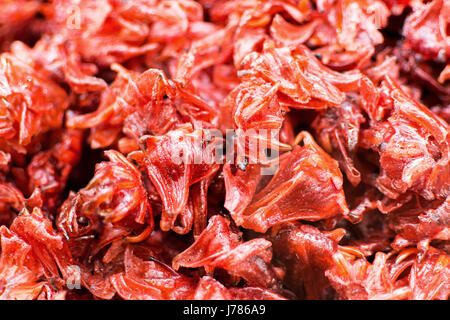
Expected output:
{"points": [[334, 185]]}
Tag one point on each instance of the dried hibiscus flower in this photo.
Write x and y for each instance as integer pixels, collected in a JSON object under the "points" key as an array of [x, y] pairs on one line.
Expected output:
{"points": [[224, 149]]}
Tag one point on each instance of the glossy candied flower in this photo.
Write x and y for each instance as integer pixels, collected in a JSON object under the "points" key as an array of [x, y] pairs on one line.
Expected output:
{"points": [[116, 194], [429, 277], [281, 67], [20, 275], [210, 289], [240, 186], [198, 196], [258, 118], [31, 103], [307, 185], [426, 277], [307, 253], [48, 258], [258, 12], [212, 49], [174, 162], [125, 106], [413, 144], [62, 62], [138, 104], [255, 106], [32, 257], [150, 280], [287, 34], [218, 246], [49, 170], [12, 202], [344, 81], [360, 280], [162, 85], [426, 29], [420, 226], [97, 31], [357, 22]]}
